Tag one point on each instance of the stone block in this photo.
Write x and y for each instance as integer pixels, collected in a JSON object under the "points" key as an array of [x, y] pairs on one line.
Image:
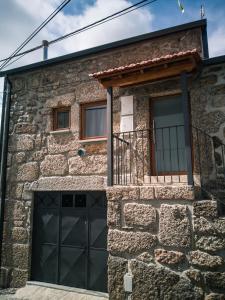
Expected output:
{"points": [[151, 282], [203, 226], [213, 296], [215, 280], [117, 268], [210, 243], [219, 225], [64, 142], [113, 214], [169, 257], [19, 278], [15, 255], [130, 242], [130, 193], [174, 193], [19, 235], [23, 142], [114, 193], [15, 211], [146, 193], [87, 165], [19, 157], [195, 276], [25, 128], [174, 226], [205, 208], [54, 165], [28, 172], [204, 260], [140, 215], [145, 257], [69, 183]]}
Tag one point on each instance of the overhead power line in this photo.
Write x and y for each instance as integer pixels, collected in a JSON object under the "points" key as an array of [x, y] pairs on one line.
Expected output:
{"points": [[104, 20], [35, 32], [87, 27]]}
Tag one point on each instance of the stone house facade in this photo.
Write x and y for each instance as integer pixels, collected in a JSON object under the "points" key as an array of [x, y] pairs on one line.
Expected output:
{"points": [[140, 203]]}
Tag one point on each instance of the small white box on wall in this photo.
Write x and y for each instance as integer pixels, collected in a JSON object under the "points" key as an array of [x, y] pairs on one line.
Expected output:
{"points": [[127, 117]]}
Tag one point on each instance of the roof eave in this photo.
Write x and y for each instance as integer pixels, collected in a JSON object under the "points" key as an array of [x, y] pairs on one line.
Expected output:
{"points": [[81, 54]]}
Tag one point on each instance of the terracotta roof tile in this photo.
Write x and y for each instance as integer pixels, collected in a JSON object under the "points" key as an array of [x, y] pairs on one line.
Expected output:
{"points": [[144, 63]]}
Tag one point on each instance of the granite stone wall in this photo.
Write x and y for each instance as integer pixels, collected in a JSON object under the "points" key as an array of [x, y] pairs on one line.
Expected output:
{"points": [[172, 246]]}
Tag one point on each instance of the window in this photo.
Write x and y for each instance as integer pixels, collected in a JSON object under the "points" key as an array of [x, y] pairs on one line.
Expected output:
{"points": [[61, 118], [93, 120]]}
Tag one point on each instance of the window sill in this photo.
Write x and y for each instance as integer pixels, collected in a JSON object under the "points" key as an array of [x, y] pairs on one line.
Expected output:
{"points": [[61, 131], [97, 140]]}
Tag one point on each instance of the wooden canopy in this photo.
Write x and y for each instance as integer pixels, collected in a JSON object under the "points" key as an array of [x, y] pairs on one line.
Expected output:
{"points": [[149, 70]]}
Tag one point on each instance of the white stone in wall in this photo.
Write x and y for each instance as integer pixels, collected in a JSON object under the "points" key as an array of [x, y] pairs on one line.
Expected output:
{"points": [[127, 109]]}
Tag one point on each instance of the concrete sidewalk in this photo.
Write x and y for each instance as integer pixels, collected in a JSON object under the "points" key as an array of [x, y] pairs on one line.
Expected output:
{"points": [[44, 291]]}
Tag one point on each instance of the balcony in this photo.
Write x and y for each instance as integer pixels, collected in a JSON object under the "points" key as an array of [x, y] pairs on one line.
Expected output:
{"points": [[158, 156]]}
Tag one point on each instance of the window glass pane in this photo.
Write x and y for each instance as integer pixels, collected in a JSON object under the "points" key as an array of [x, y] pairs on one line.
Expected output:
{"points": [[95, 121], [67, 200], [63, 119], [80, 200]]}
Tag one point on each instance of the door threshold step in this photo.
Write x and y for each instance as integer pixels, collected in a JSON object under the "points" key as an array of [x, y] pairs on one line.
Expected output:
{"points": [[35, 290]]}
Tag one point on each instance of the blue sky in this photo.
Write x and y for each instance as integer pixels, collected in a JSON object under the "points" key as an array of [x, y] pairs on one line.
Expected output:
{"points": [[20, 17]]}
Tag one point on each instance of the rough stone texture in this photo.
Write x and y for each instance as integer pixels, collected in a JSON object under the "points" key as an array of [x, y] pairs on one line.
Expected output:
{"points": [[145, 257], [140, 215], [54, 165], [18, 277], [19, 235], [58, 143], [195, 276], [25, 128], [117, 268], [147, 193], [130, 242], [205, 260], [207, 209], [210, 243], [214, 296], [23, 142], [87, 165], [215, 280], [174, 192], [69, 183], [113, 214], [28, 172], [174, 226], [169, 257], [151, 282]]}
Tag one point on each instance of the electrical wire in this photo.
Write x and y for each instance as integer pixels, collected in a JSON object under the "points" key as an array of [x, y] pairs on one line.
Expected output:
{"points": [[106, 19], [35, 32], [87, 27], [21, 53]]}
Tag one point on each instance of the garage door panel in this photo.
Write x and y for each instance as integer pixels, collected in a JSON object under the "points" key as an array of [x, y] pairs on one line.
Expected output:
{"points": [[45, 266], [73, 267], [98, 230], [47, 231], [73, 230], [98, 270]]}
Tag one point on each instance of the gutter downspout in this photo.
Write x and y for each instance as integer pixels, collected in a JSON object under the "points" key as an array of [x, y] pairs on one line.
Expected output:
{"points": [[4, 151]]}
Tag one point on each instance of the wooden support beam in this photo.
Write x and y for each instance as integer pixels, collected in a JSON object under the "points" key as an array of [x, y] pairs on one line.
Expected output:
{"points": [[148, 75], [187, 127], [109, 136]]}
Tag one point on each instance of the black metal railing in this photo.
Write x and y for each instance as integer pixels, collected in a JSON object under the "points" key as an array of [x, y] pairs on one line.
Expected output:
{"points": [[159, 155]]}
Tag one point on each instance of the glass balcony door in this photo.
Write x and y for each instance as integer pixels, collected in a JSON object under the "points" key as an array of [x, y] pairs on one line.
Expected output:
{"points": [[168, 148]]}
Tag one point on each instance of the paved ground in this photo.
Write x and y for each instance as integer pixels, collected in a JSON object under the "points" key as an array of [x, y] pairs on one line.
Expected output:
{"points": [[49, 292]]}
